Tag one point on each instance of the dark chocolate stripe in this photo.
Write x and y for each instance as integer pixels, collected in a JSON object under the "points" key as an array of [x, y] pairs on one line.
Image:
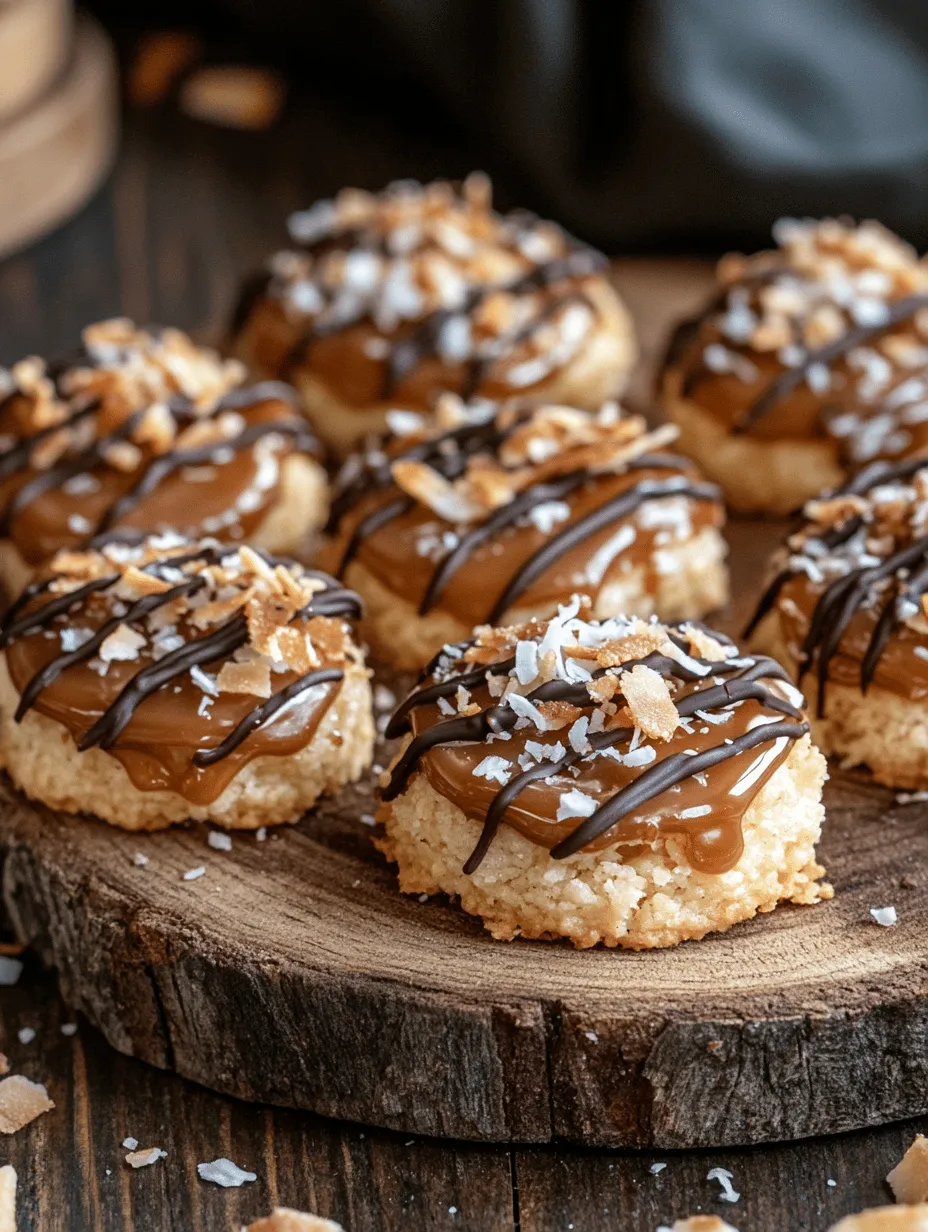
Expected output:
{"points": [[138, 611], [664, 775], [620, 506], [44, 615], [261, 714], [786, 382]]}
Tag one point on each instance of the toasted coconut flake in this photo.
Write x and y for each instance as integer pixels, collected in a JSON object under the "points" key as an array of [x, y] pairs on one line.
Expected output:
{"points": [[21, 1101], [645, 640], [704, 645], [648, 698], [909, 1179], [253, 678], [145, 583], [428, 486], [144, 1157], [283, 1219], [123, 643]]}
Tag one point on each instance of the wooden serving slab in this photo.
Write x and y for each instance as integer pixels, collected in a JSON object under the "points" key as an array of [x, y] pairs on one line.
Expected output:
{"points": [[293, 972], [55, 152]]}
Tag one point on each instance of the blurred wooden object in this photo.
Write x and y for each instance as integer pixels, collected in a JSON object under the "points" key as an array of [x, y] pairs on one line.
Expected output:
{"points": [[35, 40], [54, 153]]}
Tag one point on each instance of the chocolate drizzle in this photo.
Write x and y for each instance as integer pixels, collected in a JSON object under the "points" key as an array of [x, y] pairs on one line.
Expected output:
{"points": [[745, 680], [24, 619], [153, 467], [421, 341], [449, 455], [783, 385], [898, 582]]}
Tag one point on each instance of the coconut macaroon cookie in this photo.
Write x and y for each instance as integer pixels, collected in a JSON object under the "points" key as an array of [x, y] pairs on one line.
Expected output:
{"points": [[846, 611], [141, 428], [161, 680], [387, 300], [485, 513], [621, 782], [809, 362]]}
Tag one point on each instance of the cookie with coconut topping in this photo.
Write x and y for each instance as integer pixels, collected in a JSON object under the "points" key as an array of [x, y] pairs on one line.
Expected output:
{"points": [[810, 362], [165, 679], [623, 782], [484, 512], [847, 611], [140, 428], [388, 300]]}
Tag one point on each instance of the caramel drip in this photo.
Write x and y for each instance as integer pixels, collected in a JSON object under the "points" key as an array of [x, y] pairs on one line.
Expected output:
{"points": [[135, 684], [834, 609], [745, 685]]}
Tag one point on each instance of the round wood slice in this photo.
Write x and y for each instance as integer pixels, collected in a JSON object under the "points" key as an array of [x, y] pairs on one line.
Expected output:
{"points": [[294, 972], [53, 154], [35, 37]]}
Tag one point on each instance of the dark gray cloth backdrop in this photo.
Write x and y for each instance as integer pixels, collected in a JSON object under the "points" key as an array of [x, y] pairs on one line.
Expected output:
{"points": [[638, 122]]}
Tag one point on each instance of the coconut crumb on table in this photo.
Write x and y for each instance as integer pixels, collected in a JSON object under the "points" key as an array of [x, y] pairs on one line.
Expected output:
{"points": [[884, 916], [10, 971], [21, 1101], [142, 1159], [724, 1177], [225, 1173], [909, 1179]]}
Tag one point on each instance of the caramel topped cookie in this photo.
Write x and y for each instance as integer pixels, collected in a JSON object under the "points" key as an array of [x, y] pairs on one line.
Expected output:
{"points": [[141, 428], [482, 512], [388, 300], [810, 362], [160, 679], [846, 610], [598, 780]]}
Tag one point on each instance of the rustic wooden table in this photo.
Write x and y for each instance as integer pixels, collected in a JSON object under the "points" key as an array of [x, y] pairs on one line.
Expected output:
{"points": [[187, 209]]}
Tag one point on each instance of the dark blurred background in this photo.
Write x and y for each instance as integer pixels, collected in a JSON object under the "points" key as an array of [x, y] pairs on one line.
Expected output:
{"points": [[642, 124]]}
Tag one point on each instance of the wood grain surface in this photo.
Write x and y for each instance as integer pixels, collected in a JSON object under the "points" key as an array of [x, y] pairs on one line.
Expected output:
{"points": [[131, 251]]}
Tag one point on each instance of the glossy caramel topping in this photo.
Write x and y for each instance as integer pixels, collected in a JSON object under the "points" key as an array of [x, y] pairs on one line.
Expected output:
{"points": [[483, 508], [183, 660], [422, 289], [850, 584], [139, 429], [583, 734], [827, 336]]}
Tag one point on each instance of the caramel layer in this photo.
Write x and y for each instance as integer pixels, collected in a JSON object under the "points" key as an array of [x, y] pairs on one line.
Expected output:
{"points": [[159, 742], [391, 555], [713, 842], [194, 500]]}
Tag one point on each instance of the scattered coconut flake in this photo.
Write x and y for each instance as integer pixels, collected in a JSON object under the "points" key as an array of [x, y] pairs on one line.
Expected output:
{"points": [[68, 1028], [21, 1101], [723, 1176], [656, 1168], [909, 1179], [219, 840], [548, 514], [261, 834], [225, 1173], [368, 819], [73, 637], [577, 736], [130, 1143], [641, 756], [911, 797], [526, 662], [193, 874], [10, 971], [575, 803], [697, 810], [204, 681], [142, 1159], [884, 916], [26, 1035], [497, 769], [140, 859]]}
